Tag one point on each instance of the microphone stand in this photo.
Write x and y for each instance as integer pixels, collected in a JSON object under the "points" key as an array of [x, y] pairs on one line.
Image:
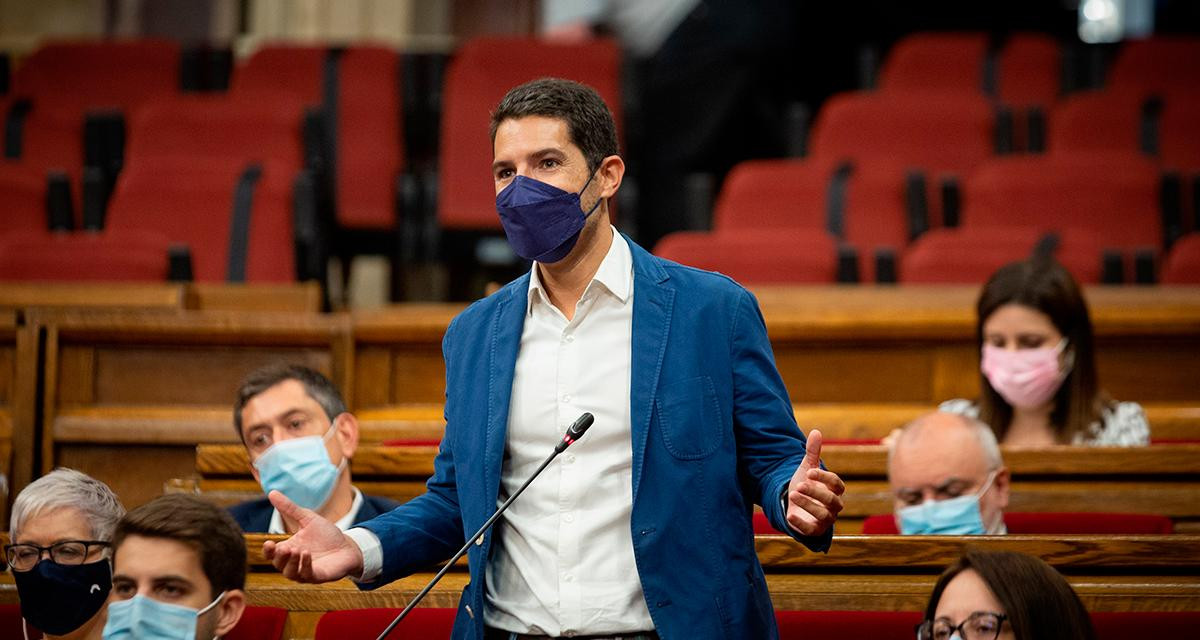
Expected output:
{"points": [[573, 433]]}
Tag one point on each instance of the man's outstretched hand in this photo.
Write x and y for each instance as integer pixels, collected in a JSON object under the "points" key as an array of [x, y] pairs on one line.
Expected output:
{"points": [[318, 552], [814, 496]]}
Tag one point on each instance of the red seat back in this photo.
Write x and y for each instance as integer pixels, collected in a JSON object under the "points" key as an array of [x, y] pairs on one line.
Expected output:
{"points": [[1097, 121], [259, 623], [876, 625], [295, 69], [111, 256], [1122, 625], [1179, 131], [766, 194], [1115, 197], [77, 75], [1029, 70], [935, 62], [423, 623], [1055, 523], [369, 139], [757, 256], [23, 192], [1157, 64], [482, 71], [190, 201], [1183, 262], [935, 132], [969, 255]]}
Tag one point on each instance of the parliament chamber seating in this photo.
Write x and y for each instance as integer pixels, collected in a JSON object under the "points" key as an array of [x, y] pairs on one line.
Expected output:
{"points": [[1054, 523], [369, 623]]}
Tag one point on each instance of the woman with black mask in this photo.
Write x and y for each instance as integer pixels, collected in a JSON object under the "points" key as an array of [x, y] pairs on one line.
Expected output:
{"points": [[59, 556]]}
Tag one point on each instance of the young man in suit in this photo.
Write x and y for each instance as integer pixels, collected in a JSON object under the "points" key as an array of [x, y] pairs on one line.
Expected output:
{"points": [[643, 528], [300, 438]]}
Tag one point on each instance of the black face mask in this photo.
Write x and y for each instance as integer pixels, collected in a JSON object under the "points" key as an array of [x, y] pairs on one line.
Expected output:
{"points": [[58, 598]]}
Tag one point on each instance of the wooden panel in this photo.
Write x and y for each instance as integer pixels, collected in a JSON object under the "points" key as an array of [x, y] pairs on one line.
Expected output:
{"points": [[182, 425], [850, 372], [112, 295], [303, 297], [136, 473]]}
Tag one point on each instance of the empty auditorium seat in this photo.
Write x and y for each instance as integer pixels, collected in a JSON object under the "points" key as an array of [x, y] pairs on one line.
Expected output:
{"points": [[970, 255], [369, 155], [756, 256], [92, 74], [1179, 130], [296, 69], [1157, 64], [945, 132], [1114, 196], [421, 622], [1055, 523], [480, 73], [877, 625], [191, 202], [243, 127], [1182, 265], [862, 204], [936, 62], [1097, 121], [111, 256], [23, 192], [1029, 70], [259, 623]]}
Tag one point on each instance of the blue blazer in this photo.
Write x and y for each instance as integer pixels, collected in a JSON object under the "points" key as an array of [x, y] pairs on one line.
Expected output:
{"points": [[712, 434], [254, 516]]}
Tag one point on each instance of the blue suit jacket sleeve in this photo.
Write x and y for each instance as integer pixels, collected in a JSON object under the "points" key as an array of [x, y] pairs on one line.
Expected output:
{"points": [[767, 442]]}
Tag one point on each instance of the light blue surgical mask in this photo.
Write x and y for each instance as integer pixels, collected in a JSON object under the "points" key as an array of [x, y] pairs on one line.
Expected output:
{"points": [[300, 469], [953, 517], [142, 618]]}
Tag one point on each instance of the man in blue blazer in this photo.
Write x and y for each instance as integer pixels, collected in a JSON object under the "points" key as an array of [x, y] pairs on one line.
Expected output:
{"points": [[643, 528]]}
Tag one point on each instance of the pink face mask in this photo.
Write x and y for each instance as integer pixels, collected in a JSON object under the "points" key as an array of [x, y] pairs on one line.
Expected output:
{"points": [[1026, 378]]}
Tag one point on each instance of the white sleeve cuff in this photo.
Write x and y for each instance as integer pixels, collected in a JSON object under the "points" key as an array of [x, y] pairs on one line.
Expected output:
{"points": [[372, 552]]}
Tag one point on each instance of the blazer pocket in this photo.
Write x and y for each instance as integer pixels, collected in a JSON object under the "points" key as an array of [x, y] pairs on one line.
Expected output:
{"points": [[689, 417]]}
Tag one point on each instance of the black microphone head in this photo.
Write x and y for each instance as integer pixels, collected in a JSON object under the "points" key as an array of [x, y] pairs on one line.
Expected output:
{"points": [[581, 424], [575, 431]]}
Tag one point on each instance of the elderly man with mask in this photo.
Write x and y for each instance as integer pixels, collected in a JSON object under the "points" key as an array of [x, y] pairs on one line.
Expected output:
{"points": [[947, 477]]}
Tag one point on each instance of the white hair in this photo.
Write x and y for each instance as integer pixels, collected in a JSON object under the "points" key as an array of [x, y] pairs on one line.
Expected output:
{"points": [[69, 488], [982, 432]]}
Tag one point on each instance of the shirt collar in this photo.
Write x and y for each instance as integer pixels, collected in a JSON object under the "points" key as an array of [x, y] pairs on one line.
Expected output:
{"points": [[615, 274], [343, 523]]}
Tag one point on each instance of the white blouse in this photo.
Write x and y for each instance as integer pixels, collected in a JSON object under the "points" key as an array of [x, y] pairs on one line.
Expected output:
{"points": [[1121, 425]]}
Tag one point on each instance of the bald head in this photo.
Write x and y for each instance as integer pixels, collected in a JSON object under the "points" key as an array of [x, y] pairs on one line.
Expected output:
{"points": [[942, 455]]}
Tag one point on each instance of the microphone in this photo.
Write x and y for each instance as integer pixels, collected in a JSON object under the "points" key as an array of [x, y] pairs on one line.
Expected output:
{"points": [[574, 432]]}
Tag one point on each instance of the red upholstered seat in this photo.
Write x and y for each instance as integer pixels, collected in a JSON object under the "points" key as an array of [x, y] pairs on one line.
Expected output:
{"points": [[23, 192], [932, 131], [1179, 131], [421, 623], [876, 625], [1113, 196], [259, 623], [1055, 523], [970, 255], [1182, 265], [1097, 121], [1028, 70], [1157, 64], [935, 61], [190, 201], [292, 68], [480, 73], [111, 256], [1122, 625], [758, 256]]}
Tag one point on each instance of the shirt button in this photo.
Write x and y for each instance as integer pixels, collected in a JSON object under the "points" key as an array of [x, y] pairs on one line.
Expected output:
{"points": [[570, 338], [568, 578], [570, 633], [570, 457], [568, 517], [566, 397]]}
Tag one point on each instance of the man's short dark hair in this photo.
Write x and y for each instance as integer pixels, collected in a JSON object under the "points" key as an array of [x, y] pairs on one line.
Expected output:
{"points": [[590, 124], [317, 386], [204, 527]]}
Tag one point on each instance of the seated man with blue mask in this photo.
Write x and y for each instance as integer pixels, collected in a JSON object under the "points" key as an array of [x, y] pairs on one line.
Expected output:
{"points": [[947, 477], [179, 571], [300, 439]]}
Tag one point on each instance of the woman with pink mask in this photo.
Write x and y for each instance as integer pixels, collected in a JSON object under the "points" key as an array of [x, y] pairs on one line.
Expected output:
{"points": [[1038, 371]]}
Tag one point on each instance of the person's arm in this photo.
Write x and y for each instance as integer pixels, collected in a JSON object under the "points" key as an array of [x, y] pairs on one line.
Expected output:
{"points": [[771, 448]]}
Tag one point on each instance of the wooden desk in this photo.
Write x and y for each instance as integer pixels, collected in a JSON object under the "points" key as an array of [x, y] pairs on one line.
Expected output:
{"points": [[135, 391]]}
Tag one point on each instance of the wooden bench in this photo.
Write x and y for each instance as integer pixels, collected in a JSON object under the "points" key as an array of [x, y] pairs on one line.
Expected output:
{"points": [[1158, 479], [860, 573]]}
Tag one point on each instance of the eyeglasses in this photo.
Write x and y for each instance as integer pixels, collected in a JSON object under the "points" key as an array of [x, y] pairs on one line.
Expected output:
{"points": [[981, 625], [23, 557]]}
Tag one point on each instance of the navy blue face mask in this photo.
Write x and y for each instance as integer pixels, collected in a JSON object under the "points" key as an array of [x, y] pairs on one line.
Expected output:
{"points": [[58, 598], [542, 222]]}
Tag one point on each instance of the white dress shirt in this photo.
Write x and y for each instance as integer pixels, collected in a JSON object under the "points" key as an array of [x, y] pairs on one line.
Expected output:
{"points": [[343, 523], [563, 562]]}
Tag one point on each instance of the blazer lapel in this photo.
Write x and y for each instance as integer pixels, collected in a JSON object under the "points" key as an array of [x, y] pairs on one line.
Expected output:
{"points": [[507, 324], [653, 303]]}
